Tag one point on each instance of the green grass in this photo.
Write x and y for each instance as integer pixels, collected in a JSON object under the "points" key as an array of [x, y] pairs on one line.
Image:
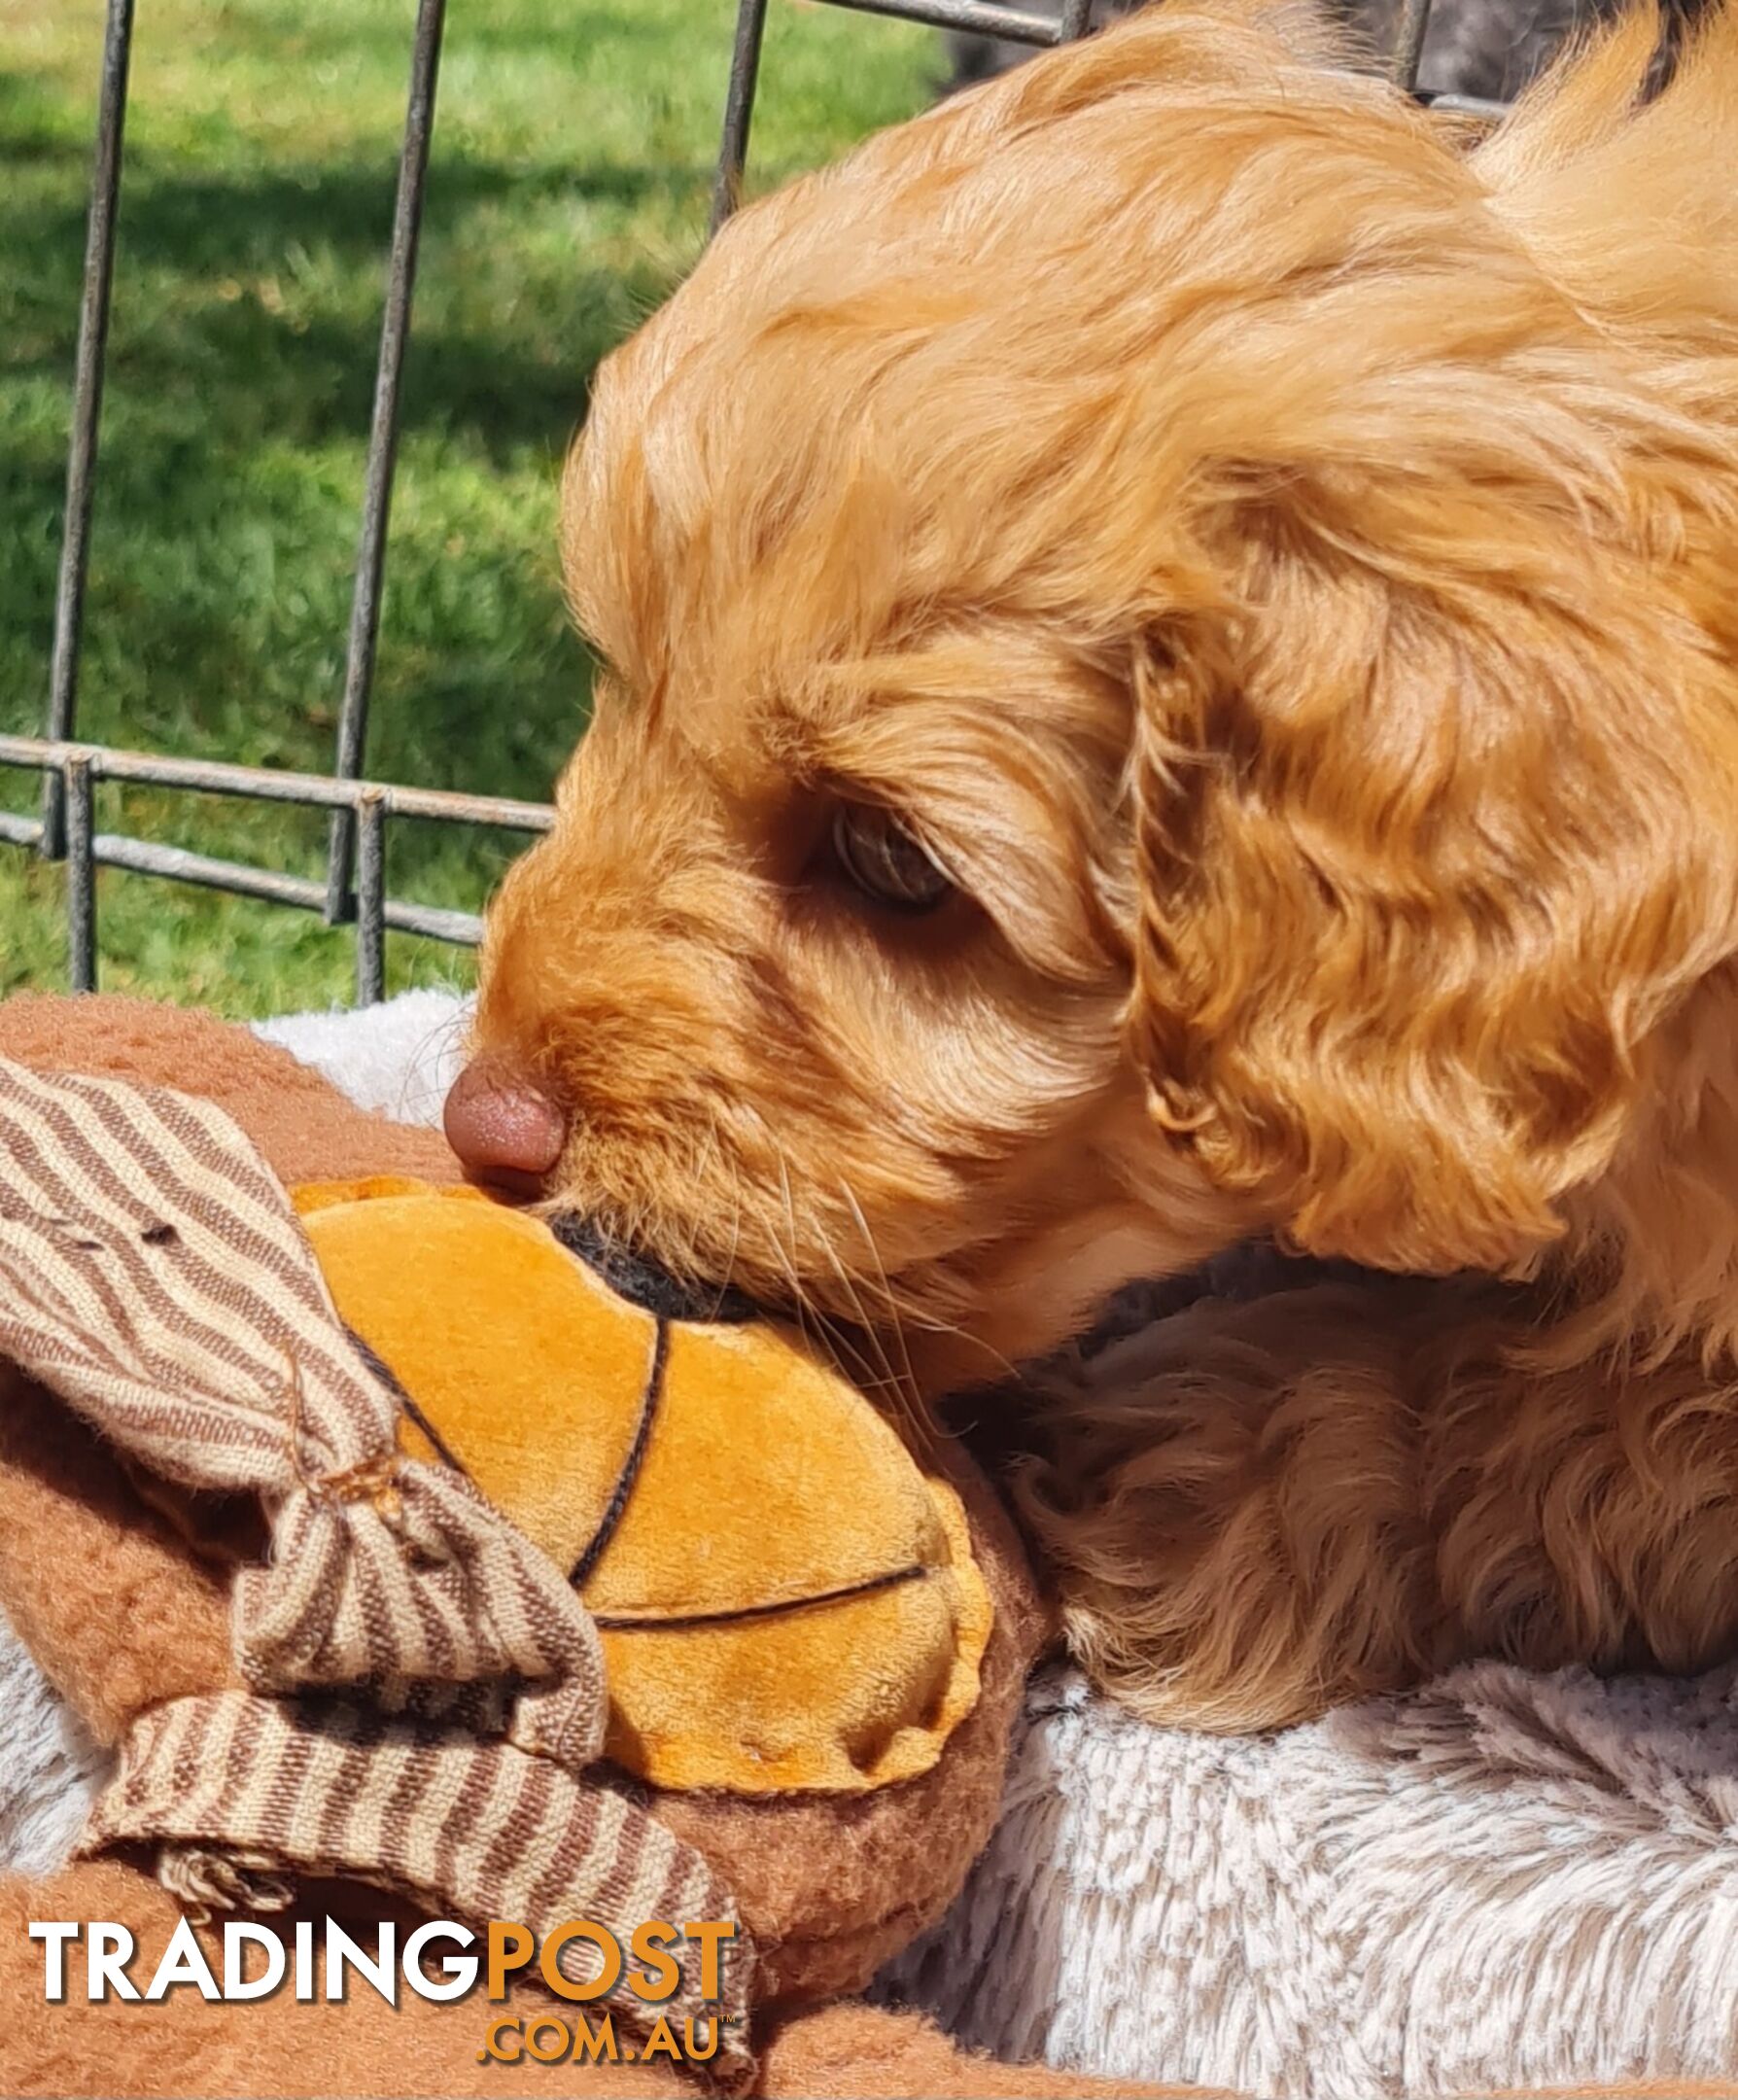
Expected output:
{"points": [[568, 193]]}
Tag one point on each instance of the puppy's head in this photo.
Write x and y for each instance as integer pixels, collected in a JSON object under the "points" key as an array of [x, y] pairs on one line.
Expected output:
{"points": [[1163, 677]]}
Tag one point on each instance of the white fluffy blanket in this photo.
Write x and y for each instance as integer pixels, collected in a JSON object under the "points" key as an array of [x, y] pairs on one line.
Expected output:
{"points": [[1502, 1880]]}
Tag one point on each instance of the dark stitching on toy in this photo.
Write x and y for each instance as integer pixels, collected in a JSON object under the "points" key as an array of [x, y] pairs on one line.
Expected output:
{"points": [[390, 1379], [630, 1471], [628, 1624]]}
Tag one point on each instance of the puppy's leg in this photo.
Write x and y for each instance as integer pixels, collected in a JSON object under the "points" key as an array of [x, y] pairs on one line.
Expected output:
{"points": [[1256, 1511], [1231, 1501]]}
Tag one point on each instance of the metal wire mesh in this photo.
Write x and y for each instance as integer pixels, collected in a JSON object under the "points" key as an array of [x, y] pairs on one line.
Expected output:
{"points": [[354, 890]]}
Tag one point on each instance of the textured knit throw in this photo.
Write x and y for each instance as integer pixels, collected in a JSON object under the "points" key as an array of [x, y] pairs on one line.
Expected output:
{"points": [[153, 1275]]}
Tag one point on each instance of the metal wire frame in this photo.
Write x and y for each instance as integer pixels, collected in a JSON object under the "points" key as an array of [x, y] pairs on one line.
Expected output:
{"points": [[1014, 25], [365, 805], [354, 888]]}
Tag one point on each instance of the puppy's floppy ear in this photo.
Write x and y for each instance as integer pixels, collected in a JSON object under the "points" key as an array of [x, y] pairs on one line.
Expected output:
{"points": [[1412, 889]]}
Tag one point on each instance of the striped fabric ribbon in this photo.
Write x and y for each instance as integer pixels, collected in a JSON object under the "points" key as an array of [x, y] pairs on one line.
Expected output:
{"points": [[320, 1788], [153, 1275]]}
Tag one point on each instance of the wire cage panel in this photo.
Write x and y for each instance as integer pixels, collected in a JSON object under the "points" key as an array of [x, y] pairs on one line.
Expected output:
{"points": [[353, 890]]}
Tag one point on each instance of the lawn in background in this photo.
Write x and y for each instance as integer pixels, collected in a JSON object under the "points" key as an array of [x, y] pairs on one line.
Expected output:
{"points": [[568, 193]]}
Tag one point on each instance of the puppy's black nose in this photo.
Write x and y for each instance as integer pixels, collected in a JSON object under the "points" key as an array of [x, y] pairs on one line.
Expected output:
{"points": [[642, 1281]]}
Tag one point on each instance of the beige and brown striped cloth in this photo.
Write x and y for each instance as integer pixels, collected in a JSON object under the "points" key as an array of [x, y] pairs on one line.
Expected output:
{"points": [[153, 1275]]}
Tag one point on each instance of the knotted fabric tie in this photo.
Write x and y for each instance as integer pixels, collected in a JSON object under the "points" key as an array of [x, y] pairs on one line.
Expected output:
{"points": [[469, 1829]]}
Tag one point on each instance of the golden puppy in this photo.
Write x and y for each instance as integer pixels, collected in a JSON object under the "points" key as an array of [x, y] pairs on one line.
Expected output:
{"points": [[1170, 643]]}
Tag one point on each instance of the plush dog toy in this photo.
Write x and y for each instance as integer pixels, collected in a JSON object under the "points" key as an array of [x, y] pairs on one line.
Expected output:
{"points": [[414, 1571], [787, 1603]]}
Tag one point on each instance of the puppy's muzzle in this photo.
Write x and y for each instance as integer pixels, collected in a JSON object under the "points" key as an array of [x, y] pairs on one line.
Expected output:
{"points": [[509, 1133]]}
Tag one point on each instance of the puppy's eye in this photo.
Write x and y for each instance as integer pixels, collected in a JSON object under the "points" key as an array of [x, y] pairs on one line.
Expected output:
{"points": [[886, 859]]}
